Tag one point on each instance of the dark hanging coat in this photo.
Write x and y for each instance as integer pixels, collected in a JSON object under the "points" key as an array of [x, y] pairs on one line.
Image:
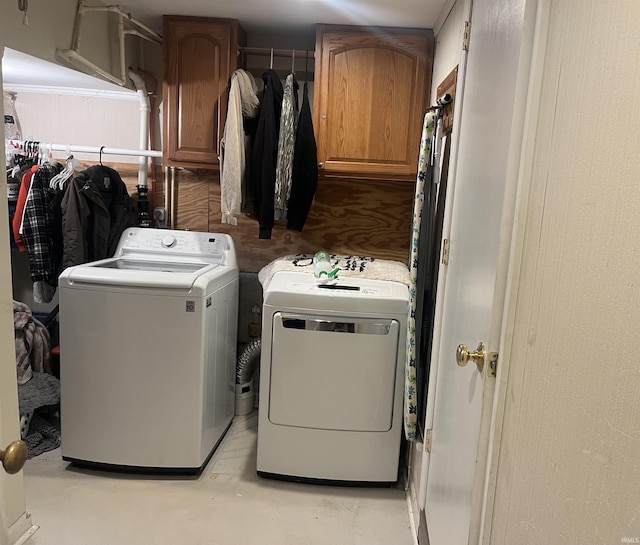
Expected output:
{"points": [[264, 154], [304, 178], [96, 209]]}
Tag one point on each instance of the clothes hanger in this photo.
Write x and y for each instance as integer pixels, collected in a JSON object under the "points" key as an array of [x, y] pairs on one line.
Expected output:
{"points": [[271, 62], [58, 181], [293, 62], [101, 150]]}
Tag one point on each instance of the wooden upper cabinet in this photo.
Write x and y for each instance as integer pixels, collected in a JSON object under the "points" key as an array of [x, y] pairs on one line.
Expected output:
{"points": [[200, 54], [371, 92]]}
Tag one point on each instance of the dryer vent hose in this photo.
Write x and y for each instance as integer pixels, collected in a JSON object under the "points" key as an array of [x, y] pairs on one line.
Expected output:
{"points": [[247, 364], [248, 361]]}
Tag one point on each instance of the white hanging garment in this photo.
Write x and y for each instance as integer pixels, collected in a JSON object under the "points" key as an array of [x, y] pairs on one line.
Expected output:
{"points": [[243, 103]]}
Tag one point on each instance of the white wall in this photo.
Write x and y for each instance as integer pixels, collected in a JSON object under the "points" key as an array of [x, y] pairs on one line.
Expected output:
{"points": [[81, 120], [568, 469], [50, 28], [448, 46]]}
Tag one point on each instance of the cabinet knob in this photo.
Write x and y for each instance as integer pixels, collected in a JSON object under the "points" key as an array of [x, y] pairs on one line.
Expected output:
{"points": [[320, 166], [323, 116]]}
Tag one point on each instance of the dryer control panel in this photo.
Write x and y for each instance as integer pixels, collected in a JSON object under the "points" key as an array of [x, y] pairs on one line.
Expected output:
{"points": [[172, 242]]}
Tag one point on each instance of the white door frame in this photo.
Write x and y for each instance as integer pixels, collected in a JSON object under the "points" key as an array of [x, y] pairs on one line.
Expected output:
{"points": [[15, 522]]}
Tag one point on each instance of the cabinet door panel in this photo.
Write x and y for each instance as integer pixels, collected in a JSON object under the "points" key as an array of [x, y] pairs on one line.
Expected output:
{"points": [[372, 89], [199, 56], [368, 98], [198, 86]]}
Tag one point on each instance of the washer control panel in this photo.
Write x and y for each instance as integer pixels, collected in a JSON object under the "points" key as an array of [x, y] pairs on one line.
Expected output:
{"points": [[165, 242]]}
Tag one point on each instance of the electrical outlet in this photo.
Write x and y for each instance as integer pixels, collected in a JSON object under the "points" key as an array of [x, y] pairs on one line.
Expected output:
{"points": [[160, 216], [255, 330]]}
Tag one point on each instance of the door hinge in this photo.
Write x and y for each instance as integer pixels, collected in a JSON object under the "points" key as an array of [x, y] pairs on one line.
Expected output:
{"points": [[465, 36], [493, 364], [445, 251], [427, 440]]}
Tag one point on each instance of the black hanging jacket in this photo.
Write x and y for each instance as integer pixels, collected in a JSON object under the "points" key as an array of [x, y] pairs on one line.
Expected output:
{"points": [[96, 209], [264, 154], [304, 178]]}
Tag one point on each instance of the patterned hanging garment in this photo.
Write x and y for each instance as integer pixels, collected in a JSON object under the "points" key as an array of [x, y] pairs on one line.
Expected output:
{"points": [[410, 393]]}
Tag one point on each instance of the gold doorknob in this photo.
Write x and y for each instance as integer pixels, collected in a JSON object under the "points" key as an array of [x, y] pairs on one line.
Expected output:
{"points": [[463, 355], [14, 457]]}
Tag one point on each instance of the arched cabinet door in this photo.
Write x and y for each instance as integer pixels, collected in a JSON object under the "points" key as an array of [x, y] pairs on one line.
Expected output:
{"points": [[371, 92], [199, 57]]}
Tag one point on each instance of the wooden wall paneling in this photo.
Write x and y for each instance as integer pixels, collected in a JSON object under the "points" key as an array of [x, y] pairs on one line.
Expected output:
{"points": [[192, 198], [348, 217], [354, 217]]}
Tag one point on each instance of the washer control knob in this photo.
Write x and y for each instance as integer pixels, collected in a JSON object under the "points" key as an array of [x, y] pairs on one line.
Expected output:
{"points": [[169, 241]]}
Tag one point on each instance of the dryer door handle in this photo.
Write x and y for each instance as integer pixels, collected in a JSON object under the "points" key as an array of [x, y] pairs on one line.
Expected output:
{"points": [[319, 324]]}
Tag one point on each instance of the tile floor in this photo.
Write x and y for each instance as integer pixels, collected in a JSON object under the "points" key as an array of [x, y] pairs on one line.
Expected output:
{"points": [[226, 505]]}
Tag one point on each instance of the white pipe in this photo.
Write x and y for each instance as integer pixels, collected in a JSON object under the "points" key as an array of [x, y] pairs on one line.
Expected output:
{"points": [[75, 37], [121, 47], [144, 125], [93, 149], [153, 35], [73, 55]]}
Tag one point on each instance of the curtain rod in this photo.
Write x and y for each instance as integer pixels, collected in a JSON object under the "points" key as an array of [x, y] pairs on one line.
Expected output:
{"points": [[20, 145], [267, 51]]}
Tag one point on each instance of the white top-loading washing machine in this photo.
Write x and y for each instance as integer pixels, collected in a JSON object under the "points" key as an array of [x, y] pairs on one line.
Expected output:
{"points": [[331, 379], [148, 352]]}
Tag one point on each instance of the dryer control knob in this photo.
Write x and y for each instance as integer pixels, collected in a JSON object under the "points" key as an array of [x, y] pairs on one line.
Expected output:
{"points": [[169, 241]]}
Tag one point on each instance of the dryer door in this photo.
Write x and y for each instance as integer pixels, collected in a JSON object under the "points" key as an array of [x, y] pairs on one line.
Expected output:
{"points": [[333, 373]]}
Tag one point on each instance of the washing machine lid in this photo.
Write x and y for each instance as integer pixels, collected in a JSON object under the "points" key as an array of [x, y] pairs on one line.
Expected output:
{"points": [[159, 258], [138, 271], [349, 294]]}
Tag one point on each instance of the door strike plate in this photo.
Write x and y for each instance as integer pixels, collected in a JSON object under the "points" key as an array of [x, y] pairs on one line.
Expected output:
{"points": [[493, 364]]}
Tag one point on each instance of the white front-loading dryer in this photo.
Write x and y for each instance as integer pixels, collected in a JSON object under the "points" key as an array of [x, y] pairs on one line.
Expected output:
{"points": [[148, 352], [331, 379]]}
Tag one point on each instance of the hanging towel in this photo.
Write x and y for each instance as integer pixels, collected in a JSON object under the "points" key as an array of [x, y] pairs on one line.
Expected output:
{"points": [[304, 180], [410, 393], [286, 145], [243, 104]]}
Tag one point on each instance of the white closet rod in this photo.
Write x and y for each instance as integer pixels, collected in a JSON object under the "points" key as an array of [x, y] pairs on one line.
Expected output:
{"points": [[90, 149], [267, 51]]}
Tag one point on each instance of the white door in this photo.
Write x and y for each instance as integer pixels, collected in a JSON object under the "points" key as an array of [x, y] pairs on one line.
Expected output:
{"points": [[472, 286], [568, 456], [14, 521]]}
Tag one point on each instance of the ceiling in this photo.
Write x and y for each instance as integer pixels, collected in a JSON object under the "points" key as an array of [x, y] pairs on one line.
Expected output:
{"points": [[291, 20], [266, 15]]}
